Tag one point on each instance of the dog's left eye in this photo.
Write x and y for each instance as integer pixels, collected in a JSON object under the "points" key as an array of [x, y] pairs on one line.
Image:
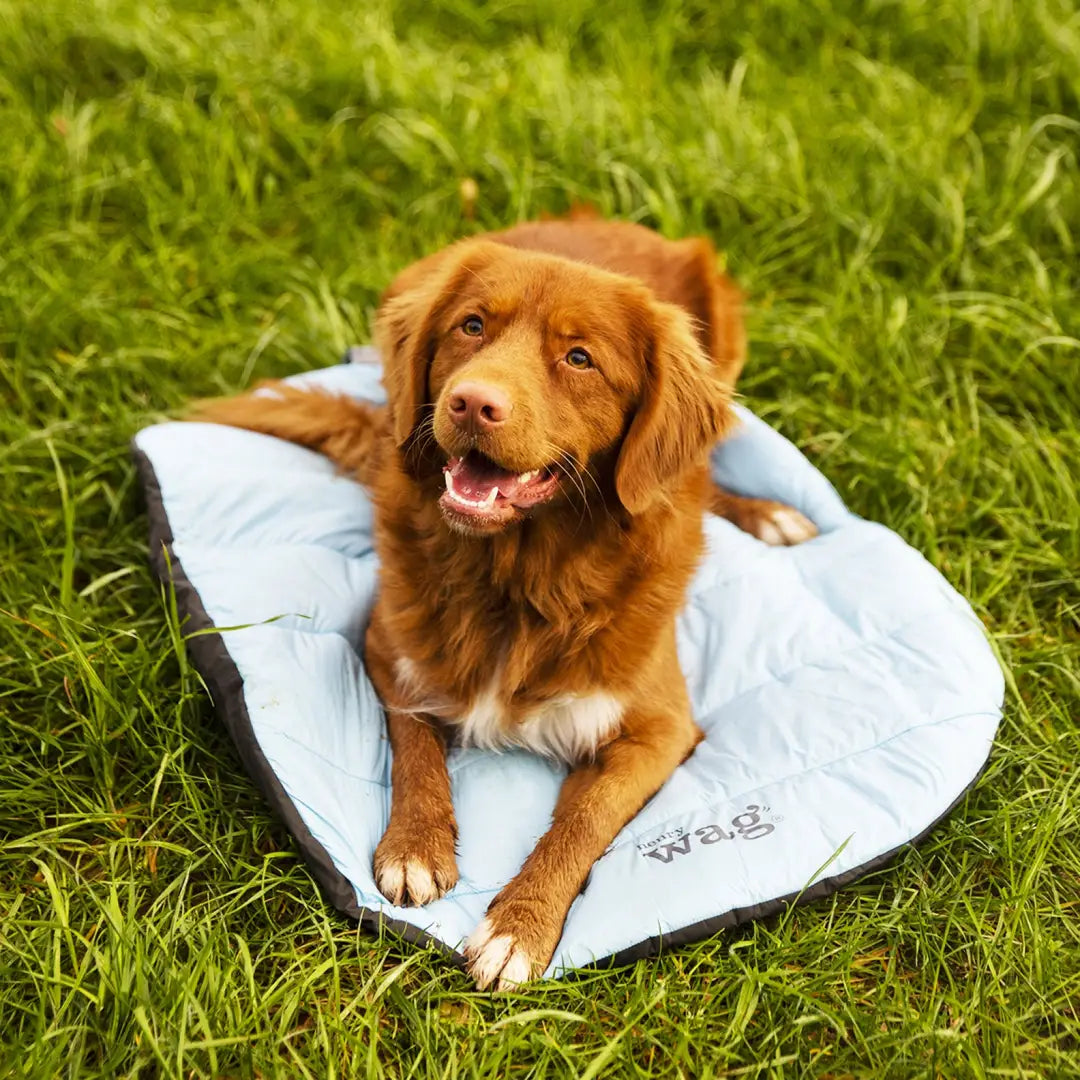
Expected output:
{"points": [[579, 358], [473, 326]]}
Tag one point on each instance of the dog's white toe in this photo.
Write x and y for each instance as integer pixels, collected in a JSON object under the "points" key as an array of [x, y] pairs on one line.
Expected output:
{"points": [[408, 882], [496, 958], [785, 526]]}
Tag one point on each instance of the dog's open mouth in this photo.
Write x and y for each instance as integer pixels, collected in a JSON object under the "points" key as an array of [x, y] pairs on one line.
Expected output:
{"points": [[481, 493]]}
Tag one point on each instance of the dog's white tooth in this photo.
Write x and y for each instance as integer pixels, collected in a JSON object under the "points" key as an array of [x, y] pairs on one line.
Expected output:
{"points": [[449, 482], [489, 499], [525, 477]]}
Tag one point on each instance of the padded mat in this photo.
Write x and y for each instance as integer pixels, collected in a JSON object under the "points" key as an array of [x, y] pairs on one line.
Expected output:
{"points": [[847, 692]]}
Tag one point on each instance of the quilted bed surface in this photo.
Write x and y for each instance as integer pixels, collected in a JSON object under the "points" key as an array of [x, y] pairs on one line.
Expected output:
{"points": [[847, 692]]}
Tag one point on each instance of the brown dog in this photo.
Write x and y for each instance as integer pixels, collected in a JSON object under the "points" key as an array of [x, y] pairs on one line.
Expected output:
{"points": [[539, 478]]}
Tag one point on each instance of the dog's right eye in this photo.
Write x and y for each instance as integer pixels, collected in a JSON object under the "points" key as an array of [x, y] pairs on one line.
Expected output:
{"points": [[473, 326]]}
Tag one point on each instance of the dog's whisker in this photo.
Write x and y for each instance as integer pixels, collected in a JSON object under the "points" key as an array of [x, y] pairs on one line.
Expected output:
{"points": [[586, 509], [583, 472], [425, 434], [586, 473], [568, 464], [560, 461], [578, 486]]}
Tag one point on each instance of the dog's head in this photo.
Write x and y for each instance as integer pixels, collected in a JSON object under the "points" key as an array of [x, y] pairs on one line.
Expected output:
{"points": [[543, 382]]}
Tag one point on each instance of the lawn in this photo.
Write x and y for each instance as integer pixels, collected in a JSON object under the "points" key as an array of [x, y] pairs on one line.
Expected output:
{"points": [[194, 195]]}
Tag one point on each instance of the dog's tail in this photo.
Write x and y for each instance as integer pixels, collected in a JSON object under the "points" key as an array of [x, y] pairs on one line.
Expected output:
{"points": [[345, 430]]}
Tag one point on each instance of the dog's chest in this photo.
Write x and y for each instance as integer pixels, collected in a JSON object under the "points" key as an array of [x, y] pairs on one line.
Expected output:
{"points": [[570, 728]]}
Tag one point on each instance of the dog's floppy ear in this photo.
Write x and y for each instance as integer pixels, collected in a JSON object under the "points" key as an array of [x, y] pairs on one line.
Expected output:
{"points": [[406, 329], [683, 411]]}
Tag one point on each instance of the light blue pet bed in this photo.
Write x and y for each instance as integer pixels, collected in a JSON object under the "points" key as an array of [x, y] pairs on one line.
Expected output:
{"points": [[847, 693]]}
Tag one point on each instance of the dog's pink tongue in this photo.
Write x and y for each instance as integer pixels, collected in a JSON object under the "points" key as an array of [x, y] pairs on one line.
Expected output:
{"points": [[474, 477]]}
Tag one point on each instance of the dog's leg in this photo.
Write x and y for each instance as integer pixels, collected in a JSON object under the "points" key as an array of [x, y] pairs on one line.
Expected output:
{"points": [[774, 522], [415, 861], [343, 429], [518, 936]]}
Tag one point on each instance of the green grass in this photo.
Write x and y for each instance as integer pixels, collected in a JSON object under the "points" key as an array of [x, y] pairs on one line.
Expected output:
{"points": [[198, 194]]}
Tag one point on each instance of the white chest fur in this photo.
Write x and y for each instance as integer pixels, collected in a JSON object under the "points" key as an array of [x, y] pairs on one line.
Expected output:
{"points": [[568, 728]]}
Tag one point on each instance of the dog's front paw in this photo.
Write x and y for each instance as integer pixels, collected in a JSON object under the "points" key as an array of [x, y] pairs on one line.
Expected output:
{"points": [[513, 944], [775, 523], [414, 866]]}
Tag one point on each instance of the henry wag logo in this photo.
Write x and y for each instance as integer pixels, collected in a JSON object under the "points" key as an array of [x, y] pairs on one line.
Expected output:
{"points": [[749, 825]]}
